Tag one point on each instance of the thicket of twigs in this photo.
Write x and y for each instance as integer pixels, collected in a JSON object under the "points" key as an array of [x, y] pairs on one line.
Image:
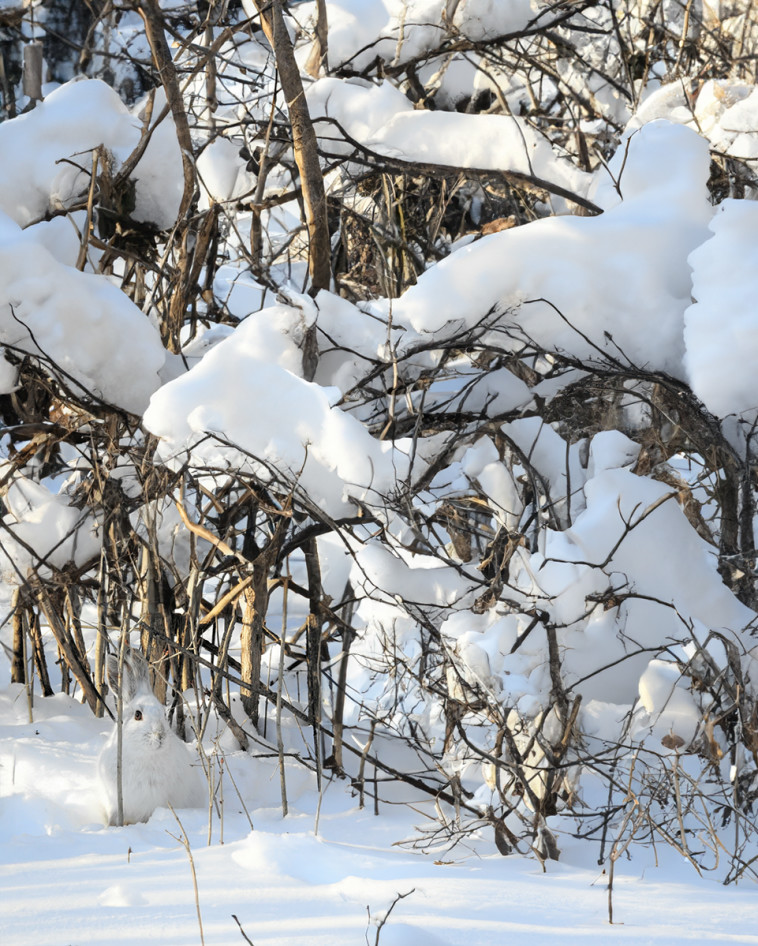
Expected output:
{"points": [[201, 602]]}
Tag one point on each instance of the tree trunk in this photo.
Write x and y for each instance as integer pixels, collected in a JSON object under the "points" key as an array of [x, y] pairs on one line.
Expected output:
{"points": [[251, 641], [18, 665], [318, 58], [304, 144], [151, 14]]}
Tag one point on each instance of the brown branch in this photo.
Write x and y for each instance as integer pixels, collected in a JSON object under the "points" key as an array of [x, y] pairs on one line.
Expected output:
{"points": [[68, 649], [383, 161], [152, 17], [304, 143]]}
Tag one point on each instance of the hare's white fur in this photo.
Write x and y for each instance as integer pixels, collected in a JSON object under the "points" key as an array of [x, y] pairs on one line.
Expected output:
{"points": [[156, 766]]}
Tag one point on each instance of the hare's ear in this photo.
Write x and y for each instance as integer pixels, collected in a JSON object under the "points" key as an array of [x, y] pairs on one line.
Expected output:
{"points": [[113, 673], [134, 675]]}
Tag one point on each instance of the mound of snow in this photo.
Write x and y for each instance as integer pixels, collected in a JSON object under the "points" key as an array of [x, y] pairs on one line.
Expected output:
{"points": [[80, 321], [721, 330], [613, 287], [243, 403], [397, 31]]}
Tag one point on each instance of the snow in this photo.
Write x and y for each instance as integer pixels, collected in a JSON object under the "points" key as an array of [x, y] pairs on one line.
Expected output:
{"points": [[296, 428], [41, 524], [239, 292], [44, 159], [470, 552], [222, 173], [722, 110], [720, 330], [397, 31], [481, 463], [159, 178], [65, 878], [382, 120], [80, 321], [670, 709], [74, 118], [613, 287]]}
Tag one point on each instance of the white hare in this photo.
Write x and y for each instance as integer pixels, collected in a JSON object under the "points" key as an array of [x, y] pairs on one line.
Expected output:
{"points": [[156, 766]]}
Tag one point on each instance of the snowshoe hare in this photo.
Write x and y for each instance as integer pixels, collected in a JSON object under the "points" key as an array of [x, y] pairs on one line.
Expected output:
{"points": [[156, 769]]}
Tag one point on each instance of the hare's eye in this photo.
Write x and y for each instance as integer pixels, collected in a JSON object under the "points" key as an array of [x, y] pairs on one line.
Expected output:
{"points": [[138, 714]]}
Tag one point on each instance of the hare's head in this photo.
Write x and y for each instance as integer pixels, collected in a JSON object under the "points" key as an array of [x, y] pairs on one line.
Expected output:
{"points": [[144, 719]]}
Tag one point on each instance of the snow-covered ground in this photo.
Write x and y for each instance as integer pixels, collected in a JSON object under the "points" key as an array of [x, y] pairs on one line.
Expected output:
{"points": [[326, 874]]}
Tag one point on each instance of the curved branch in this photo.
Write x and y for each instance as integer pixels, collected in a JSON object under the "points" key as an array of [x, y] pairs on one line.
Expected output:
{"points": [[382, 162]]}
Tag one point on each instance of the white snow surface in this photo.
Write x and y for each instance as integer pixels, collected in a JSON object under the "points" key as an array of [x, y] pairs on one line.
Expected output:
{"points": [[721, 332], [64, 878], [384, 121], [75, 118], [42, 521], [44, 153], [221, 172], [246, 393], [397, 31], [659, 280], [669, 705], [610, 287], [80, 321], [725, 111]]}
